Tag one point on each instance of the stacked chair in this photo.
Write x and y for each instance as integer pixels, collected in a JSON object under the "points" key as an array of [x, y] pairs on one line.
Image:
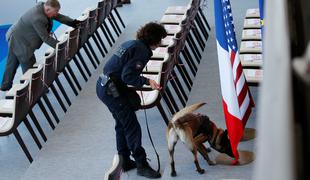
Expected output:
{"points": [[175, 63], [251, 47], [99, 27]]}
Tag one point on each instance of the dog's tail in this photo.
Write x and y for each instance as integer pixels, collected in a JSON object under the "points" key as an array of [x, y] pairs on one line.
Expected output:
{"points": [[187, 110]]}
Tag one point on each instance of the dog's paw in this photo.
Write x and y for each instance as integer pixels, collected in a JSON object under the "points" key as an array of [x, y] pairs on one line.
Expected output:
{"points": [[173, 174], [201, 171], [211, 163]]}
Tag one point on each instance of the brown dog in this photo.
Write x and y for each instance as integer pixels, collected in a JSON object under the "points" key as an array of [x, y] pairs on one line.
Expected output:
{"points": [[193, 130]]}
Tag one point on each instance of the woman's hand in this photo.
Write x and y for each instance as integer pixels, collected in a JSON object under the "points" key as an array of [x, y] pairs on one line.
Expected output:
{"points": [[154, 84]]}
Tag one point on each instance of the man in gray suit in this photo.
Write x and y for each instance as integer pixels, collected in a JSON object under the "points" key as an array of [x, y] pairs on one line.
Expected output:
{"points": [[28, 34]]}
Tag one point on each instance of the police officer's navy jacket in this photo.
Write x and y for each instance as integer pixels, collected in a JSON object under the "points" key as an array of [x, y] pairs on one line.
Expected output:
{"points": [[128, 61]]}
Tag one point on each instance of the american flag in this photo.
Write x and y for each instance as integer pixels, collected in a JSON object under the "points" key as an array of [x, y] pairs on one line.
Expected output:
{"points": [[237, 99]]}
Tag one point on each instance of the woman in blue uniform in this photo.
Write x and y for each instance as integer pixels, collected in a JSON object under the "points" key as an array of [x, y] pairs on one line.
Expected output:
{"points": [[122, 69]]}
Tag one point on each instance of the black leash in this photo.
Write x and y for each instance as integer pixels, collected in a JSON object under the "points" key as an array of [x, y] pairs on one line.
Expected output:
{"points": [[149, 133]]}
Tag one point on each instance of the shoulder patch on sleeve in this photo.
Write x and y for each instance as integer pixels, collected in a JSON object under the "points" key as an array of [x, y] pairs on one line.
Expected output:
{"points": [[120, 52], [139, 65]]}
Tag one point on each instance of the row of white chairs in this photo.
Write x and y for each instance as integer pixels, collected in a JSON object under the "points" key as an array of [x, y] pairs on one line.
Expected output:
{"points": [[251, 48], [175, 63], [99, 26]]}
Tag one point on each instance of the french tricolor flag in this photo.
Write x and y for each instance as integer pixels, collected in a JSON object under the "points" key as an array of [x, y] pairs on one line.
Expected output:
{"points": [[237, 99]]}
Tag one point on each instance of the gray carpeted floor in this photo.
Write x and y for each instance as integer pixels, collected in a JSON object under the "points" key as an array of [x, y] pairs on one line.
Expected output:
{"points": [[83, 144]]}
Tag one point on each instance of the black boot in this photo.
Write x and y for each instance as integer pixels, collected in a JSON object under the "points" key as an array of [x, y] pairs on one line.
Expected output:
{"points": [[145, 170], [128, 165]]}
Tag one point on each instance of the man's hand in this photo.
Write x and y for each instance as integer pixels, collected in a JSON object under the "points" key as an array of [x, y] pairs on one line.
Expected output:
{"points": [[154, 84], [75, 23]]}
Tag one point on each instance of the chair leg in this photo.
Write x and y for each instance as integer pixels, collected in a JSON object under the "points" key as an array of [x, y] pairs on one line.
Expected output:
{"points": [[177, 90], [50, 107], [115, 23], [108, 31], [113, 26], [168, 102], [198, 36], [202, 27], [22, 145], [162, 112], [119, 17], [83, 63], [170, 96], [78, 65], [98, 45], [36, 123], [191, 59], [92, 52], [74, 77], [48, 118], [106, 35], [61, 88], [100, 41], [184, 74], [33, 134], [70, 82], [58, 98], [179, 85], [193, 46], [204, 18], [89, 56]]}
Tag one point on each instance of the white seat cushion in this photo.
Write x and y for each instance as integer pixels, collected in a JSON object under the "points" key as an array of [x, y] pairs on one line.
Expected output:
{"points": [[252, 13], [172, 29], [13, 90], [166, 41], [251, 47], [149, 97], [176, 10], [155, 77], [153, 66], [171, 19], [251, 60], [28, 73], [251, 34], [159, 53], [253, 75], [6, 123], [251, 23], [7, 106]]}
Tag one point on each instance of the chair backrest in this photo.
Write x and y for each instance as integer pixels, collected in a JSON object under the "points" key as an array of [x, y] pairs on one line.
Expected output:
{"points": [[114, 3], [36, 85], [84, 29], [73, 42], [168, 64], [49, 73], [108, 7], [101, 12], [61, 54], [21, 103], [92, 21], [20, 110]]}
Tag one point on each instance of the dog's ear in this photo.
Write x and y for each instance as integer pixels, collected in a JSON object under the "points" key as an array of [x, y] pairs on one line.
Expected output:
{"points": [[225, 144]]}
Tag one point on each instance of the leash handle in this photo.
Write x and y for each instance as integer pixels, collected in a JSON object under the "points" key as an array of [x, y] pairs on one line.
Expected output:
{"points": [[149, 133]]}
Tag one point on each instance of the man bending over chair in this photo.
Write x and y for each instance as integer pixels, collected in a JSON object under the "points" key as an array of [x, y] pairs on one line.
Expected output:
{"points": [[28, 34]]}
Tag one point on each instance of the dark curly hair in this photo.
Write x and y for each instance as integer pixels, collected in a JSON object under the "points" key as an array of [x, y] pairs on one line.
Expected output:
{"points": [[151, 33]]}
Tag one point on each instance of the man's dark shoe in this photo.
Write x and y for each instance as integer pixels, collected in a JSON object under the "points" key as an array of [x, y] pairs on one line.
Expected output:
{"points": [[128, 165], [147, 171]]}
